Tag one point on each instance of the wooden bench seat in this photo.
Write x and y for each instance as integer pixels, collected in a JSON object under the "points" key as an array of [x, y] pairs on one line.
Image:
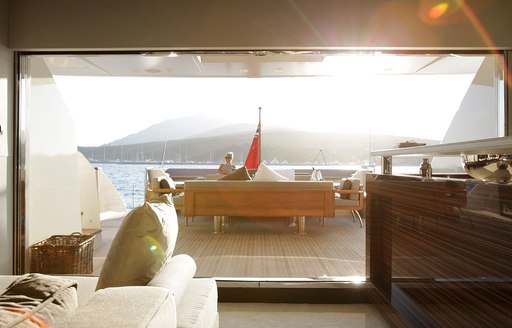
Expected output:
{"points": [[259, 199]]}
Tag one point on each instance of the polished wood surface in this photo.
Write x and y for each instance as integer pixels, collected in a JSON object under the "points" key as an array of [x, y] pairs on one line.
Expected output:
{"points": [[259, 202], [440, 251]]}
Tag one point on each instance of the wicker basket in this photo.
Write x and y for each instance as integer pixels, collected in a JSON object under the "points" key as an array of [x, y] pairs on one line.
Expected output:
{"points": [[63, 254]]}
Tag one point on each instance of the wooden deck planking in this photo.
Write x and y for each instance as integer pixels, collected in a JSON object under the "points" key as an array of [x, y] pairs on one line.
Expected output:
{"points": [[265, 248]]}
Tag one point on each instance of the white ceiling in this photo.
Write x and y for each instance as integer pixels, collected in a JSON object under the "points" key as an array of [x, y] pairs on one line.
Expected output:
{"points": [[258, 64]]}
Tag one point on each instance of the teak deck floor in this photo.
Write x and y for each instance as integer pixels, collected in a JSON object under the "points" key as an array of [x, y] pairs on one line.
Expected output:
{"points": [[264, 248]]}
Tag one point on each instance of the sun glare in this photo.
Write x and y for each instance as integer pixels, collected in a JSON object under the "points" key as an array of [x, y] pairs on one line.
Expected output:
{"points": [[372, 93], [318, 104], [438, 10]]}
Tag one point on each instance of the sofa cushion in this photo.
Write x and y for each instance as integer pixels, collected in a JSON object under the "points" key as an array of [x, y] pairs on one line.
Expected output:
{"points": [[238, 174], [340, 202], [265, 173], [134, 306], [198, 307], [144, 242], [37, 300], [176, 275]]}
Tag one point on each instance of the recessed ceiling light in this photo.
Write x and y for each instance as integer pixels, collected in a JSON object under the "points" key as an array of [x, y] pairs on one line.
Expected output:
{"points": [[152, 70], [243, 70]]}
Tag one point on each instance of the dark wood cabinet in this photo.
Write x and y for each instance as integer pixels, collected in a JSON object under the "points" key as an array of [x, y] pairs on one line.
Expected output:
{"points": [[440, 250]]}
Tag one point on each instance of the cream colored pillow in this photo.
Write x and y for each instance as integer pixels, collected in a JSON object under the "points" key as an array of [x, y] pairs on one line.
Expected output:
{"points": [[144, 242], [265, 173]]}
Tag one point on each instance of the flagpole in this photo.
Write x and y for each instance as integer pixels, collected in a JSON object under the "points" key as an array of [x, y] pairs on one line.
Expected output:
{"points": [[259, 139]]}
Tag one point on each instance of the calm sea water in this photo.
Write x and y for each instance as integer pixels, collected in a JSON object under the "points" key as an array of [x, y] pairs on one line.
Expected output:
{"points": [[129, 178]]}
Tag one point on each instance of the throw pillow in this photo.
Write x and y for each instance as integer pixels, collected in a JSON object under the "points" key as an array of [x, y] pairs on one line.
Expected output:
{"points": [[238, 174], [265, 173], [37, 300], [345, 184], [167, 183], [144, 242]]}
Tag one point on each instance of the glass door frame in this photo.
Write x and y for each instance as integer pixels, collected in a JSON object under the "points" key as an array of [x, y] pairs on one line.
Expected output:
{"points": [[22, 94]]}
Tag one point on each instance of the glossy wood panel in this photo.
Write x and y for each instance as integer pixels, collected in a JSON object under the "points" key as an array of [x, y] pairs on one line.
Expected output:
{"points": [[440, 251]]}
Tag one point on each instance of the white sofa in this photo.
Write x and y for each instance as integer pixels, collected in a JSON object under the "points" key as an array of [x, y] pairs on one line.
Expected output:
{"points": [[141, 284], [173, 298]]}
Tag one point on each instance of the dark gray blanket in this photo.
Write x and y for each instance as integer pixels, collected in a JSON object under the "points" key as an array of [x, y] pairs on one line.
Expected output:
{"points": [[35, 298]]}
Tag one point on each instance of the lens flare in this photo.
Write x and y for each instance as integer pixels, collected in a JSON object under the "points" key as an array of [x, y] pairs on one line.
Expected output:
{"points": [[438, 10], [154, 246]]}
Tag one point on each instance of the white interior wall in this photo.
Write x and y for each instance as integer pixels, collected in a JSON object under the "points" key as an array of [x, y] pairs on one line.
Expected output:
{"points": [[52, 175]]}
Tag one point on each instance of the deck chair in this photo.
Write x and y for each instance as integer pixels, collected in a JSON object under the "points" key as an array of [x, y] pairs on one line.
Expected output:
{"points": [[349, 196]]}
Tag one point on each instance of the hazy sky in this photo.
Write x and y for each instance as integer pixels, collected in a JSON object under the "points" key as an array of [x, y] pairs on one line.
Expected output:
{"points": [[420, 106]]}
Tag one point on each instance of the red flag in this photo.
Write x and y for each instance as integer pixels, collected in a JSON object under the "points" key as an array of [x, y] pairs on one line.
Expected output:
{"points": [[253, 157]]}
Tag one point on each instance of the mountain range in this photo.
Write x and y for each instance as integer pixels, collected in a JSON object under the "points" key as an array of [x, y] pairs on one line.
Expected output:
{"points": [[182, 128], [201, 139]]}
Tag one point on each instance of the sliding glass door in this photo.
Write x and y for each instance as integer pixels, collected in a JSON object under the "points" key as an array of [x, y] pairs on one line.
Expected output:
{"points": [[123, 113]]}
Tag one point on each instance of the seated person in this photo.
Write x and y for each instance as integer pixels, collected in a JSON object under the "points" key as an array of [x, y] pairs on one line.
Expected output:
{"points": [[228, 167]]}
